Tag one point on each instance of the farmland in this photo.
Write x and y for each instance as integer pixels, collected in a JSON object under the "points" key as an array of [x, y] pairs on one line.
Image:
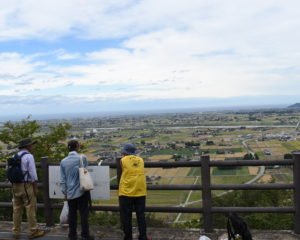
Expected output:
{"points": [[185, 137]]}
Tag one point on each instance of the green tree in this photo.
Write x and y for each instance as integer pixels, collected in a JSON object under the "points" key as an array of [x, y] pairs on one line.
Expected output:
{"points": [[176, 157], [48, 140], [249, 156]]}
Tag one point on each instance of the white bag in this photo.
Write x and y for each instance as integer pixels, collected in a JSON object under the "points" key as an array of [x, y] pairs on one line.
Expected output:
{"points": [[204, 238], [86, 182], [64, 213]]}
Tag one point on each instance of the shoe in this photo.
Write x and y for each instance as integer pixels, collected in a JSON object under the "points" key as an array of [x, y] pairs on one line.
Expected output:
{"points": [[149, 238], [88, 238], [36, 234]]}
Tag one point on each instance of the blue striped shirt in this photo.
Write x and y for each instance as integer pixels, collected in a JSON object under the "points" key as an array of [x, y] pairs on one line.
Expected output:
{"points": [[69, 175]]}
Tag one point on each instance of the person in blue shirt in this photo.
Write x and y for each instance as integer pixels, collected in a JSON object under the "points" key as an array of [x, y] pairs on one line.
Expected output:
{"points": [[77, 199]]}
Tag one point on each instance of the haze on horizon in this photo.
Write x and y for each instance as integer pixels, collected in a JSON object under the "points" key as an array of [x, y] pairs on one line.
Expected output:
{"points": [[98, 56]]}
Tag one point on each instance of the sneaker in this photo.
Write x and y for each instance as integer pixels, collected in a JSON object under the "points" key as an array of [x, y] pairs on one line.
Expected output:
{"points": [[36, 234]]}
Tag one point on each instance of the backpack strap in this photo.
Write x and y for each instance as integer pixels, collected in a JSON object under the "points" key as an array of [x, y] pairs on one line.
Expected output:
{"points": [[26, 173], [25, 176]]}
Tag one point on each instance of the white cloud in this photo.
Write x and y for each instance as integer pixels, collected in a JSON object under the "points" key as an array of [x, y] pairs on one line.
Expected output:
{"points": [[172, 49]]}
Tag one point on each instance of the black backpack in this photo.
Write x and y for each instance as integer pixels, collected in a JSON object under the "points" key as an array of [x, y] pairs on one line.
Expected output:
{"points": [[237, 226], [14, 171]]}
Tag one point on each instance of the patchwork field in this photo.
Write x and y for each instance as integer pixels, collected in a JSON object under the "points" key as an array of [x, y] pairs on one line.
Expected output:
{"points": [[169, 144]]}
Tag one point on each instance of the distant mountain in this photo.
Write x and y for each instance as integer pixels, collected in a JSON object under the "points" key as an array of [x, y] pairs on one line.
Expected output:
{"points": [[296, 105]]}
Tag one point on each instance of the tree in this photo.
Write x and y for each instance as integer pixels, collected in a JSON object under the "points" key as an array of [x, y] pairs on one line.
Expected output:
{"points": [[249, 156], [176, 157], [48, 141], [192, 144]]}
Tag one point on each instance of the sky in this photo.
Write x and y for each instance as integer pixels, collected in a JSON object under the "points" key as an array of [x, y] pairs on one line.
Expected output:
{"points": [[68, 56]]}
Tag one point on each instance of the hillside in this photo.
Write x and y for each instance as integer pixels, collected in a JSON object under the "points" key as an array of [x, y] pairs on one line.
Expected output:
{"points": [[296, 105]]}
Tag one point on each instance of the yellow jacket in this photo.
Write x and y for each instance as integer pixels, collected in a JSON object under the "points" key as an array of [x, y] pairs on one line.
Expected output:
{"points": [[133, 180]]}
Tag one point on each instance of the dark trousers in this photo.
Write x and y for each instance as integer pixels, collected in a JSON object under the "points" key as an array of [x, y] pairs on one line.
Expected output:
{"points": [[81, 204], [127, 205]]}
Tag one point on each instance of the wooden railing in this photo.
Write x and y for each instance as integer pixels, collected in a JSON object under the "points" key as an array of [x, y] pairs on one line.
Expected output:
{"points": [[206, 187]]}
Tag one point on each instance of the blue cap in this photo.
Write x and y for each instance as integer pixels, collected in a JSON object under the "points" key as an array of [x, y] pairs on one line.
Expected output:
{"points": [[128, 148]]}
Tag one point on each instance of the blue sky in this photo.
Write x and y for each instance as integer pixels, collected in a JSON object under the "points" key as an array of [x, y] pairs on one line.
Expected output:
{"points": [[113, 55]]}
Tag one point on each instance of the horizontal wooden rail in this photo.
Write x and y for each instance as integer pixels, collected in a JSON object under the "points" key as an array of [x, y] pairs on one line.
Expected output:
{"points": [[191, 163], [189, 187], [180, 209], [253, 209]]}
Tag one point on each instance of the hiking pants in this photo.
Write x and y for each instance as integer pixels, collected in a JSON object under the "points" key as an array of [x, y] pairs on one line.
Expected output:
{"points": [[23, 196]]}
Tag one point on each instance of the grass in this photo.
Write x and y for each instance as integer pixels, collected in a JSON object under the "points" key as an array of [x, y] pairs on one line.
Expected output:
{"points": [[290, 147], [166, 197], [221, 172], [195, 171]]}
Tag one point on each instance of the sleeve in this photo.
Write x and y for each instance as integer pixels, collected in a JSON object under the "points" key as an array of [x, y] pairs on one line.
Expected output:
{"points": [[31, 168], [63, 180]]}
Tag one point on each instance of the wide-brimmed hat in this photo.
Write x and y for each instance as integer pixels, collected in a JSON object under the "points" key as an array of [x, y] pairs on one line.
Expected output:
{"points": [[128, 148], [26, 142]]}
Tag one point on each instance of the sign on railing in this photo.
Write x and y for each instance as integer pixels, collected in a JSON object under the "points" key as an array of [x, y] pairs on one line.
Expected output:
{"points": [[99, 174]]}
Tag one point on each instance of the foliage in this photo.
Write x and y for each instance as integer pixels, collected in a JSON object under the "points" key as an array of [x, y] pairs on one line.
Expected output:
{"points": [[288, 156], [251, 198], [249, 156], [176, 157], [5, 196], [111, 219], [48, 142], [108, 219], [153, 221], [192, 144], [261, 198], [209, 143], [194, 223]]}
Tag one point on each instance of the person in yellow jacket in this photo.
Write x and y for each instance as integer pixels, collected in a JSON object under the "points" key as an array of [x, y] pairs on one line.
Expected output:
{"points": [[132, 192]]}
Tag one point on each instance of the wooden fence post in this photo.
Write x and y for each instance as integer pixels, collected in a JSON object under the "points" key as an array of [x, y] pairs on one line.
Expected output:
{"points": [[206, 193], [47, 201], [296, 158]]}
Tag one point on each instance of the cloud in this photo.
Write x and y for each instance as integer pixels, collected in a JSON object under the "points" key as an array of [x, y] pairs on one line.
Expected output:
{"points": [[165, 49], [53, 19]]}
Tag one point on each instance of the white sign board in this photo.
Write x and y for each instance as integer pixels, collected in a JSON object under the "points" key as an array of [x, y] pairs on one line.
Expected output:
{"points": [[99, 174]]}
